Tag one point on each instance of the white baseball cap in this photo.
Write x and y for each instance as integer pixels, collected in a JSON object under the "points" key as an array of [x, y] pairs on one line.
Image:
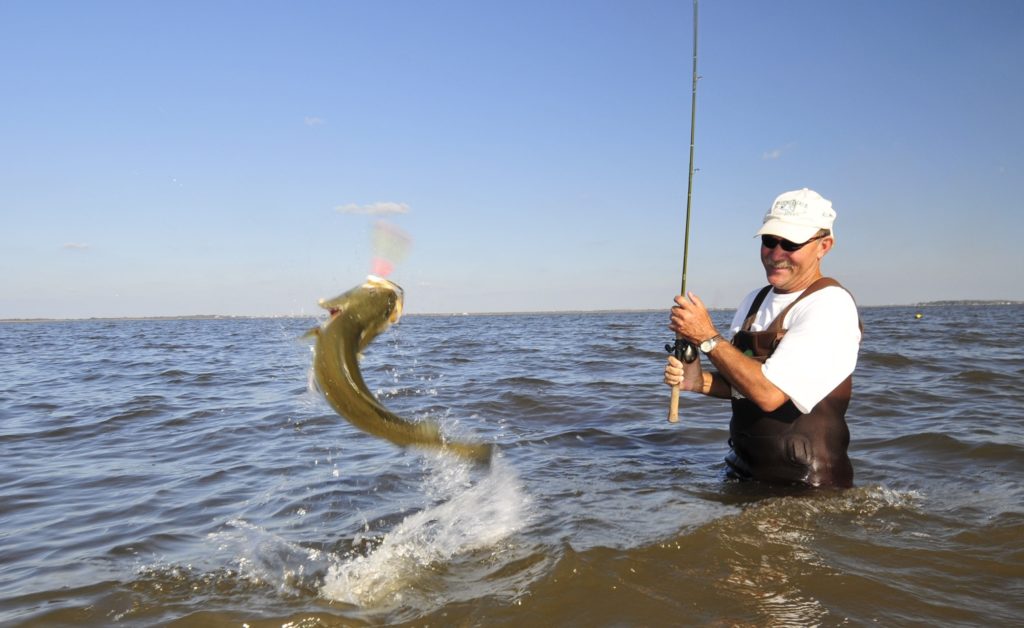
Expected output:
{"points": [[798, 215]]}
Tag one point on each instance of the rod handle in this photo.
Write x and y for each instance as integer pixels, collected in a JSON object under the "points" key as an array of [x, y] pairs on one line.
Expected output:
{"points": [[673, 406]]}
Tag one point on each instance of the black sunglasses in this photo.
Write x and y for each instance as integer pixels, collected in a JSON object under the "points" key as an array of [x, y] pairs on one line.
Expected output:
{"points": [[770, 242]]}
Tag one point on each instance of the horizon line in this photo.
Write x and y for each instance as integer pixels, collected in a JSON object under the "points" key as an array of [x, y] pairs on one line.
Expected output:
{"points": [[941, 303]]}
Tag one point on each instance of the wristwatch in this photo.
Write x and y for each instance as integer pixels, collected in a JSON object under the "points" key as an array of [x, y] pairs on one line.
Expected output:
{"points": [[709, 345]]}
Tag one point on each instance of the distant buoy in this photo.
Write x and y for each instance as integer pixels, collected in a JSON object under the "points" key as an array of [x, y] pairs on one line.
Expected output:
{"points": [[919, 315]]}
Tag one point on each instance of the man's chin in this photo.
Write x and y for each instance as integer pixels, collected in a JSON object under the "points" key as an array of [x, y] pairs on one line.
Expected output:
{"points": [[777, 276]]}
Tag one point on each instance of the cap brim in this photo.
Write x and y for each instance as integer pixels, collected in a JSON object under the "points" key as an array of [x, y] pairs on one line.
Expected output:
{"points": [[787, 230]]}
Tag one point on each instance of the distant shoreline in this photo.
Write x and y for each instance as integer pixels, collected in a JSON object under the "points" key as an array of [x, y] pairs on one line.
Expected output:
{"points": [[204, 317]]}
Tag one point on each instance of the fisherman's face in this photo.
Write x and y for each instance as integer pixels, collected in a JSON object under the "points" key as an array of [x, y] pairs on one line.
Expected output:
{"points": [[791, 271]]}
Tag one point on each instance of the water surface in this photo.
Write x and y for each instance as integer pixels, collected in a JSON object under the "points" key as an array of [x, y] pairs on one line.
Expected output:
{"points": [[181, 472]]}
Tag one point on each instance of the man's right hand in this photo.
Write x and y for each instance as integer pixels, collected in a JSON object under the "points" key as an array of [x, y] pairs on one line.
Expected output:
{"points": [[688, 377]]}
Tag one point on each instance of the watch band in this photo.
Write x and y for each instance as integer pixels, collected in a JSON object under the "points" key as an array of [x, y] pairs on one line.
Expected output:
{"points": [[711, 343]]}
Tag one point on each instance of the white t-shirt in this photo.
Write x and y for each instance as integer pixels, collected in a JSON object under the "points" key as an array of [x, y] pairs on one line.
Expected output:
{"points": [[820, 347]]}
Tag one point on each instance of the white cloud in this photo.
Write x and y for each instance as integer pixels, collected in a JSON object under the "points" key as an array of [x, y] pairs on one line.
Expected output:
{"points": [[776, 153], [314, 121], [76, 246], [377, 209]]}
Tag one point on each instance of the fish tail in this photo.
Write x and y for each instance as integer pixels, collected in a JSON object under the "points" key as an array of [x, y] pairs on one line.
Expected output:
{"points": [[477, 452]]}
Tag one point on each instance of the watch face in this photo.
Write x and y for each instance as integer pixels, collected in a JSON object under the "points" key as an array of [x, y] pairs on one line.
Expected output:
{"points": [[707, 345]]}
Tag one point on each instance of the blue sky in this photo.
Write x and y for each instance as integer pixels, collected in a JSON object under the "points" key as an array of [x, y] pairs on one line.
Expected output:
{"points": [[173, 158]]}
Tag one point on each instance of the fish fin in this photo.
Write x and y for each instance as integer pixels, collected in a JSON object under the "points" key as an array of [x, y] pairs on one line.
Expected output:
{"points": [[312, 333]]}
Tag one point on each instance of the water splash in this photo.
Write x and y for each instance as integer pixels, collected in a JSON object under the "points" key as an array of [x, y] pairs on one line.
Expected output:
{"points": [[264, 557], [468, 518]]}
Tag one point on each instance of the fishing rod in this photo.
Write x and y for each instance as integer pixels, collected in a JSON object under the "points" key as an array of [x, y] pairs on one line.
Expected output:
{"points": [[683, 350]]}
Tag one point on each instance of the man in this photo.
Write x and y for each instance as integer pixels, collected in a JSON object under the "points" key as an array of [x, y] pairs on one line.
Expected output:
{"points": [[788, 369]]}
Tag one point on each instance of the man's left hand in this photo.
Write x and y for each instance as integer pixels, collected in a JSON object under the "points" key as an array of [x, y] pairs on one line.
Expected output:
{"points": [[691, 320]]}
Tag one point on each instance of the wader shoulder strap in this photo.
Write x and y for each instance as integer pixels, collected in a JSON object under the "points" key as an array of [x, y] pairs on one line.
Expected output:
{"points": [[752, 312]]}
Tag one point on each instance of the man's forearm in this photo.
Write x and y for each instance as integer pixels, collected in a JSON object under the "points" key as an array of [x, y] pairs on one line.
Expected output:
{"points": [[715, 385], [744, 374]]}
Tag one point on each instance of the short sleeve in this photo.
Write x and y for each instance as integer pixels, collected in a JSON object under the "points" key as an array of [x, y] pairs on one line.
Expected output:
{"points": [[819, 349]]}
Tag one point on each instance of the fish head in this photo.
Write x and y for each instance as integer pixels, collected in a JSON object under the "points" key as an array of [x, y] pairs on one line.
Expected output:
{"points": [[374, 305]]}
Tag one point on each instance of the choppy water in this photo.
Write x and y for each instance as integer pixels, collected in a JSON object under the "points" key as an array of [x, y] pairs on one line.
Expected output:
{"points": [[181, 472]]}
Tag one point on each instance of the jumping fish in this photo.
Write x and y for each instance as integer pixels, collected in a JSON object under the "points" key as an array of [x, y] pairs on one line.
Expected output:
{"points": [[356, 318]]}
